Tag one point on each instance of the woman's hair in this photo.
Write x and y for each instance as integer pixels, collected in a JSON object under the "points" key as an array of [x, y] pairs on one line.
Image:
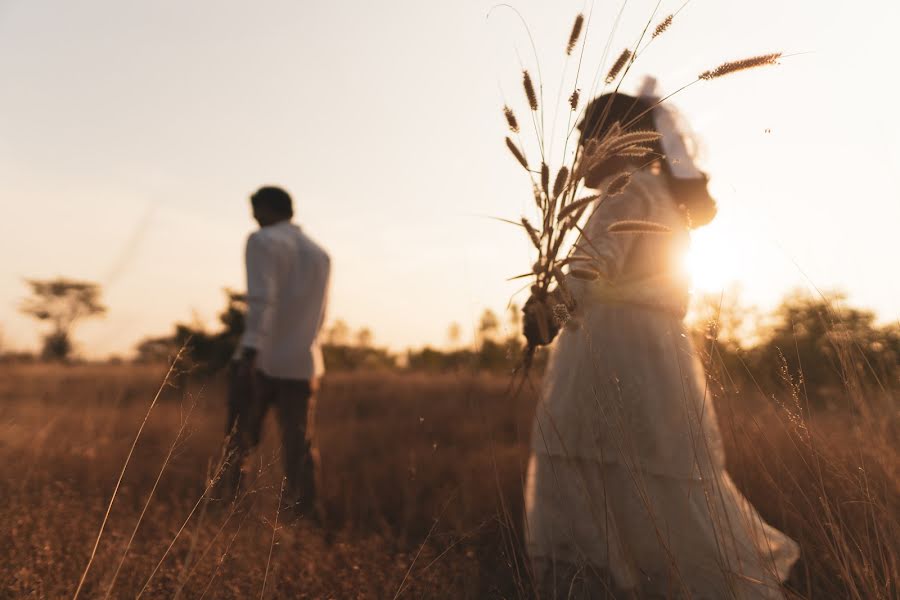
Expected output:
{"points": [[636, 114]]}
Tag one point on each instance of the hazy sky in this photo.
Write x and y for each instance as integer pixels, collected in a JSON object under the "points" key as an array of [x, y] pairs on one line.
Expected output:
{"points": [[131, 134]]}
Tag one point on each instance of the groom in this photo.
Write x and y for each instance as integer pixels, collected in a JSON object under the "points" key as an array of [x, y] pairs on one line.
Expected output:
{"points": [[279, 358]]}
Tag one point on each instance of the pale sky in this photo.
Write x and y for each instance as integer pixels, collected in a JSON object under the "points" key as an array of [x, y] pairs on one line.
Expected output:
{"points": [[132, 133]]}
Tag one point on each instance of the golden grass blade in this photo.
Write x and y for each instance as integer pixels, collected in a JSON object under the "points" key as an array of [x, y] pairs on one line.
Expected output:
{"points": [[741, 65], [522, 276], [618, 65], [576, 33], [637, 226], [112, 499], [517, 153], [209, 485], [140, 519], [262, 592]]}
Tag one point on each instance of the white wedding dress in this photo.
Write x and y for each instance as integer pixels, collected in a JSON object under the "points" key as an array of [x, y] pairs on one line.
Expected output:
{"points": [[627, 472]]}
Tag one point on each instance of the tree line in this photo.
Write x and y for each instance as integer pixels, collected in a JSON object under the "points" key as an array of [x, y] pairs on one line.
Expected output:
{"points": [[816, 345]]}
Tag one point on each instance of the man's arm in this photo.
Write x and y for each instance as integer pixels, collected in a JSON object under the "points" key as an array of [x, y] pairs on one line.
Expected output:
{"points": [[261, 291]]}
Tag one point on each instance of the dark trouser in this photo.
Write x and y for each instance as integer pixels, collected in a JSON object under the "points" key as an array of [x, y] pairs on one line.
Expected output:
{"points": [[249, 398]]}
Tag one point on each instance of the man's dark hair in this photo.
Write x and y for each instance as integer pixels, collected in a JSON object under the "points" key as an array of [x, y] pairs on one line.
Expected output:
{"points": [[275, 199]]}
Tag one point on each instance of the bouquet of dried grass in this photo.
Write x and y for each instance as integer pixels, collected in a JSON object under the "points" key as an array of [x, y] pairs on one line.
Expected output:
{"points": [[556, 233]]}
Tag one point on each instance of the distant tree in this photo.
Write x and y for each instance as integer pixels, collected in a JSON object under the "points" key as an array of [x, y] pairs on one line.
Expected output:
{"points": [[488, 325], [514, 313], [156, 350], [364, 337], [454, 334], [338, 334], [62, 303], [826, 346]]}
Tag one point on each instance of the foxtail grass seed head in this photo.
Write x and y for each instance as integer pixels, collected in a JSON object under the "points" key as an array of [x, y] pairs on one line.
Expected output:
{"points": [[631, 139], [618, 184], [562, 178], [663, 25], [529, 90], [576, 258], [618, 65], [635, 151], [517, 153], [585, 274], [545, 178], [741, 65], [576, 33], [532, 233], [511, 119], [575, 206], [538, 195], [573, 99], [638, 227]]}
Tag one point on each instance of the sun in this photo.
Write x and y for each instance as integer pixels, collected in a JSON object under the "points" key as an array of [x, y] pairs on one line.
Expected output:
{"points": [[713, 261]]}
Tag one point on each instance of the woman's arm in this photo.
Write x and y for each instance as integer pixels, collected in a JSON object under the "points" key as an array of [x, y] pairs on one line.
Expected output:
{"points": [[609, 250]]}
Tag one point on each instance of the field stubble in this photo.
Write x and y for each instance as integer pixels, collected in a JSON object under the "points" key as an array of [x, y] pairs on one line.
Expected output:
{"points": [[422, 480]]}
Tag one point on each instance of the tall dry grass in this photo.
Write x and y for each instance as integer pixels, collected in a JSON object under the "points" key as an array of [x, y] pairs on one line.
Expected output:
{"points": [[421, 489]]}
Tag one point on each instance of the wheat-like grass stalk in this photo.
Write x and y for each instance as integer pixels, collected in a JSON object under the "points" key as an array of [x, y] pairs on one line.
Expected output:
{"points": [[573, 99], [532, 233], [635, 151], [663, 25], [618, 184], [618, 65], [511, 119], [193, 567], [576, 33], [262, 592], [741, 65], [638, 226], [562, 178], [559, 206], [140, 519], [137, 436], [222, 557], [545, 178], [573, 207], [586, 274], [517, 153], [529, 90], [211, 482]]}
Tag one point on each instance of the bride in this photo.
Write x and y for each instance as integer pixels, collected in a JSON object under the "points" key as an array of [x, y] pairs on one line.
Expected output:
{"points": [[627, 475]]}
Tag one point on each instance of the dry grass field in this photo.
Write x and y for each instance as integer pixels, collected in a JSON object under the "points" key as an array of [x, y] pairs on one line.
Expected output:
{"points": [[422, 478]]}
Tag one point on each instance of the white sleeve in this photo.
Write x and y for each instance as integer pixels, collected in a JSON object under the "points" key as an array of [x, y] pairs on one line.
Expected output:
{"points": [[260, 292], [611, 250]]}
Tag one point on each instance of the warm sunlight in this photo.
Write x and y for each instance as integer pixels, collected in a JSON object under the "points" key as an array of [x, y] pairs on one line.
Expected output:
{"points": [[361, 299], [714, 262]]}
